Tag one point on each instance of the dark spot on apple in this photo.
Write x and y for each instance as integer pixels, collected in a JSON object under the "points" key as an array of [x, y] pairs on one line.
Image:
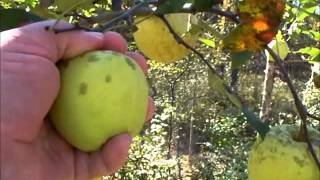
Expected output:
{"points": [[284, 142], [83, 88], [298, 161], [93, 58], [108, 78], [273, 149], [82, 55], [261, 158], [130, 63]]}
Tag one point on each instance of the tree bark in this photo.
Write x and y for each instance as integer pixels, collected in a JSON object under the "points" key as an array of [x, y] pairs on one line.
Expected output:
{"points": [[266, 103]]}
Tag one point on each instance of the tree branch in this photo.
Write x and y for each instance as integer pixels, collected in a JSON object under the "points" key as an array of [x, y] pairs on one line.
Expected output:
{"points": [[122, 16], [313, 116], [111, 18]]}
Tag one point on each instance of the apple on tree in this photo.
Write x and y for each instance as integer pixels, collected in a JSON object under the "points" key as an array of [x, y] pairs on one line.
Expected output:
{"points": [[280, 157], [155, 40]]}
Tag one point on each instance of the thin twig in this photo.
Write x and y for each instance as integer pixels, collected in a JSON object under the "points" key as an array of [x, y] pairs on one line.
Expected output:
{"points": [[112, 18], [226, 14], [120, 17], [148, 11], [300, 107], [313, 116]]}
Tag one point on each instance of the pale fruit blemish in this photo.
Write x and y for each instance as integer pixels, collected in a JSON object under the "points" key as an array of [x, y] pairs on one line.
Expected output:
{"points": [[83, 88]]}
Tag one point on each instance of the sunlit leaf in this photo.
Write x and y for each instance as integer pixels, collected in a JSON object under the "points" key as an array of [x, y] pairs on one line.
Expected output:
{"points": [[279, 46], [217, 84], [313, 53], [208, 42]]}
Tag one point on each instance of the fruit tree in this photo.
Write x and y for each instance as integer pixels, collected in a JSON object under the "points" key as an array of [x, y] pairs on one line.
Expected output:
{"points": [[235, 82]]}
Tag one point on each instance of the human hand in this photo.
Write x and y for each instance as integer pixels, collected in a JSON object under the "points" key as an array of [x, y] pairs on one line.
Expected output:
{"points": [[30, 147]]}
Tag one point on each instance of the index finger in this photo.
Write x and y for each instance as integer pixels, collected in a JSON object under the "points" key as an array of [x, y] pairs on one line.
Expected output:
{"points": [[36, 40]]}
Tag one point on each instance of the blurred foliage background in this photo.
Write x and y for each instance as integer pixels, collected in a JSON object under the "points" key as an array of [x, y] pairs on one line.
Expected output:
{"points": [[196, 133]]}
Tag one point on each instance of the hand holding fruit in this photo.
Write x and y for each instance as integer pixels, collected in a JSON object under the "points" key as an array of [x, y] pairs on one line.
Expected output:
{"points": [[29, 86]]}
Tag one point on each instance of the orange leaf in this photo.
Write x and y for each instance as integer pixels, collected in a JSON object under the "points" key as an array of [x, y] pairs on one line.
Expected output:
{"points": [[260, 25]]}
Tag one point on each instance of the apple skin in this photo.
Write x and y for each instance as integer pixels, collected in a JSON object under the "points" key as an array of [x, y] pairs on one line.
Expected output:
{"points": [[102, 94], [280, 157]]}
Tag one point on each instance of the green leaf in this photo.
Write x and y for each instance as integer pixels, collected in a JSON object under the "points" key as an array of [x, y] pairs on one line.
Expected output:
{"points": [[301, 16], [208, 42], [312, 52], [255, 122], [313, 34], [315, 59], [279, 46], [309, 50], [170, 6], [240, 58], [216, 83], [12, 18]]}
